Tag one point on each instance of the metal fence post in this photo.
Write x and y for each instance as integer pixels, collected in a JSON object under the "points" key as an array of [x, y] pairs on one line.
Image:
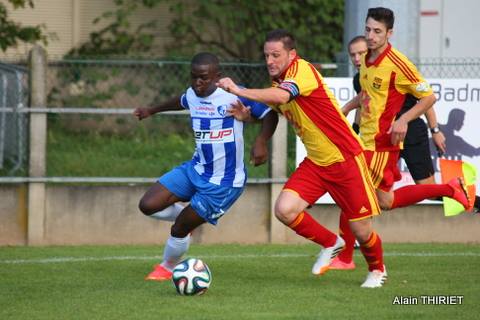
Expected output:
{"points": [[37, 146], [3, 117], [279, 171]]}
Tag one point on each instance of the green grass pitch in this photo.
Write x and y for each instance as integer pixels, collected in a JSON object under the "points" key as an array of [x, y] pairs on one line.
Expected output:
{"points": [[249, 282]]}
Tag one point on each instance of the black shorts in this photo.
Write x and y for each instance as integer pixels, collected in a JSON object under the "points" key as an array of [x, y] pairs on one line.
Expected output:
{"points": [[416, 151]]}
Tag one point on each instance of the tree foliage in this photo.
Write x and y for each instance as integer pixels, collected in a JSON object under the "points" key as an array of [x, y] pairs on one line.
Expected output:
{"points": [[117, 37], [11, 32], [236, 29], [233, 29]]}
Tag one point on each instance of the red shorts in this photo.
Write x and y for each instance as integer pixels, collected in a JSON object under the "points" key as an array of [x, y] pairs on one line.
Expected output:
{"points": [[383, 168], [348, 183]]}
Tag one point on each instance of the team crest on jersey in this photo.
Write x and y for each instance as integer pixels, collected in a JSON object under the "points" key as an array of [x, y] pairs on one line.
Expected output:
{"points": [[377, 82], [222, 110]]}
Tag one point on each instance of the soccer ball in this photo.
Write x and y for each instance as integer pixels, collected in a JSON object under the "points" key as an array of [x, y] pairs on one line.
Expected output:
{"points": [[191, 277]]}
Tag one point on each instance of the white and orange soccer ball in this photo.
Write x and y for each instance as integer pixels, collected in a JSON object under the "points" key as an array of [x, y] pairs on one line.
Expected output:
{"points": [[191, 277]]}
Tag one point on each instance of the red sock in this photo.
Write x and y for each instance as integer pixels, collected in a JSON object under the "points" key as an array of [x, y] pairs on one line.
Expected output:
{"points": [[373, 252], [309, 228], [409, 195], [346, 233]]}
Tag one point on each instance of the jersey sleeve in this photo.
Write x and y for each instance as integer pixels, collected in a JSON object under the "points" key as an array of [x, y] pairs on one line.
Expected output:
{"points": [[411, 81], [258, 109], [356, 83], [184, 101], [300, 80]]}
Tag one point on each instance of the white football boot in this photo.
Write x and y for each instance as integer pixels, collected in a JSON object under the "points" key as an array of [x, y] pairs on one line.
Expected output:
{"points": [[375, 278], [326, 256]]}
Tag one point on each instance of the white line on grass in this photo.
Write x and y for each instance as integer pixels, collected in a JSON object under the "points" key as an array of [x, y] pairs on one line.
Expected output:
{"points": [[236, 256]]}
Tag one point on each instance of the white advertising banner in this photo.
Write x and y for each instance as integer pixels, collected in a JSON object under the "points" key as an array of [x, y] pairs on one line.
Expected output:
{"points": [[458, 116]]}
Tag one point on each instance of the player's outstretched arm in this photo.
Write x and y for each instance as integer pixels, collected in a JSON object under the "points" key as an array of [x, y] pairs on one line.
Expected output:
{"points": [[270, 96], [169, 105], [259, 151]]}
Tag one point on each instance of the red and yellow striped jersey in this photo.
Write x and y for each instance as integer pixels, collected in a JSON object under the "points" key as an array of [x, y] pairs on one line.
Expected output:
{"points": [[385, 82], [314, 113]]}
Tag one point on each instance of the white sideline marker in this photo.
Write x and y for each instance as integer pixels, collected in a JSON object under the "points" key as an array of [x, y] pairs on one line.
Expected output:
{"points": [[239, 256]]}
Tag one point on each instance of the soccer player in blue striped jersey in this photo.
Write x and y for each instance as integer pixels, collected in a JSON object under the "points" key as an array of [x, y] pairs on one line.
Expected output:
{"points": [[215, 176]]}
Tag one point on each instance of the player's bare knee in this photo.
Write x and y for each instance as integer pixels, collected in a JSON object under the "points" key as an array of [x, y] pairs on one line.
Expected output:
{"points": [[149, 207], [284, 212], [144, 208], [280, 216], [362, 229], [362, 237], [385, 204], [385, 200]]}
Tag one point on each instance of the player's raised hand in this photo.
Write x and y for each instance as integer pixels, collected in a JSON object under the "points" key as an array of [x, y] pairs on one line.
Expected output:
{"points": [[141, 113], [227, 84], [398, 131], [239, 111]]}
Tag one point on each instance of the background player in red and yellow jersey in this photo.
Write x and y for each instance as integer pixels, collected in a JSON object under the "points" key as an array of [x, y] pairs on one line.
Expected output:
{"points": [[335, 162], [386, 77]]}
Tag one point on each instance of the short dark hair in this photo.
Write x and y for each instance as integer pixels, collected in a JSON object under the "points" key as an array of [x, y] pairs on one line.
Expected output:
{"points": [[383, 15], [357, 39], [282, 35], [203, 58]]}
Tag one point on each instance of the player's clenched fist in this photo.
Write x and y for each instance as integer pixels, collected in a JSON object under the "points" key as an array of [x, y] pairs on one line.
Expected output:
{"points": [[142, 113], [228, 85]]}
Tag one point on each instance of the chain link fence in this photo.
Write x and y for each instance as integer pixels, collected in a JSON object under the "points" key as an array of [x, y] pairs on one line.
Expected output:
{"points": [[447, 68], [13, 123], [124, 85], [429, 67], [131, 83], [128, 83], [119, 86]]}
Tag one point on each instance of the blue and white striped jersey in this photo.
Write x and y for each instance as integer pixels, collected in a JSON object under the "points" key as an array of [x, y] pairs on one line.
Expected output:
{"points": [[219, 147]]}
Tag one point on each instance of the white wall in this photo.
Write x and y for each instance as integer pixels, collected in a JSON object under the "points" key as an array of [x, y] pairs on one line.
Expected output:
{"points": [[449, 28], [70, 22]]}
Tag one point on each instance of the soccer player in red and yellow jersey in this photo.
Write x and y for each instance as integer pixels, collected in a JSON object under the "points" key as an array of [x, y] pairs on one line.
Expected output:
{"points": [[335, 162], [386, 77]]}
